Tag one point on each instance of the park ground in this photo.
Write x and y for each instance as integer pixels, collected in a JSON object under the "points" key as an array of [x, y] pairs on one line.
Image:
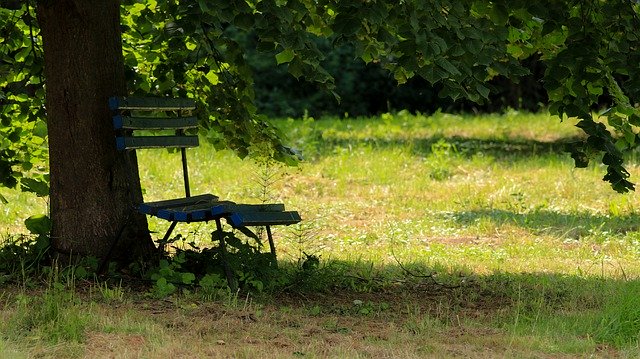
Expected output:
{"points": [[425, 236]]}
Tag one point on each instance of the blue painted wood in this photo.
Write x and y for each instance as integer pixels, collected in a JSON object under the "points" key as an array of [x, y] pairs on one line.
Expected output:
{"points": [[145, 142], [200, 215], [177, 215], [183, 210], [165, 214], [121, 144], [154, 123], [113, 103], [117, 122], [145, 209], [191, 216], [203, 201], [151, 103]]}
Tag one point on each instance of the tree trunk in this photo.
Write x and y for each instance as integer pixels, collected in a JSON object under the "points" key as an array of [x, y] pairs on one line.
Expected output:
{"points": [[92, 194]]}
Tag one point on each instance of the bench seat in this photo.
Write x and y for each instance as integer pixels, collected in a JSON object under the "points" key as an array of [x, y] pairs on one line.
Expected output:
{"points": [[208, 207], [244, 215], [188, 209]]}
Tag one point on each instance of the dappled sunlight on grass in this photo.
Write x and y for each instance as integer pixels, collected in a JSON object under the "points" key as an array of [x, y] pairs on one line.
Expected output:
{"points": [[467, 190], [438, 235], [478, 189]]}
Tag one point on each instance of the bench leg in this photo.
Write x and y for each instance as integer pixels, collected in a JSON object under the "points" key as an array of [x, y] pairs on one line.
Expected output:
{"points": [[231, 280], [272, 246], [172, 226]]}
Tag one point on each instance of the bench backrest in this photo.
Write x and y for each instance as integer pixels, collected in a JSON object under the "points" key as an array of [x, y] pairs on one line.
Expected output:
{"points": [[136, 121]]}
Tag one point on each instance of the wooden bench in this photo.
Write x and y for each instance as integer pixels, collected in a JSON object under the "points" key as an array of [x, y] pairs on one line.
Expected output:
{"points": [[143, 123]]}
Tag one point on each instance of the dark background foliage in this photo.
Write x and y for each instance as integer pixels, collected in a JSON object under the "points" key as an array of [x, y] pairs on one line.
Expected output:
{"points": [[369, 89]]}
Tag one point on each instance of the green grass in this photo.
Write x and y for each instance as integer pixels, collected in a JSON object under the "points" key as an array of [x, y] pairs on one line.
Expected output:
{"points": [[541, 258]]}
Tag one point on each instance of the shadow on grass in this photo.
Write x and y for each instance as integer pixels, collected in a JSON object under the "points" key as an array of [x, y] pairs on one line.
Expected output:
{"points": [[500, 148], [570, 225], [547, 305], [418, 297]]}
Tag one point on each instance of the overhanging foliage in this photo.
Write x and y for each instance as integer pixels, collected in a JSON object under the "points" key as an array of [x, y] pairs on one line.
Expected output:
{"points": [[187, 48]]}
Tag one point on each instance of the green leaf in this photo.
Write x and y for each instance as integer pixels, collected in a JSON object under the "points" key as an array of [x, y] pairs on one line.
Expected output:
{"points": [[188, 278], [482, 90], [81, 273], [630, 137], [580, 159], [244, 21], [432, 74], [447, 66], [499, 14], [296, 68], [40, 129], [22, 54], [285, 56], [204, 7], [558, 72], [40, 188], [136, 9], [38, 224], [212, 77], [346, 24]]}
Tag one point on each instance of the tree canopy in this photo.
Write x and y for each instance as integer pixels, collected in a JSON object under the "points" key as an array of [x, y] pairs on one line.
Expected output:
{"points": [[590, 48]]}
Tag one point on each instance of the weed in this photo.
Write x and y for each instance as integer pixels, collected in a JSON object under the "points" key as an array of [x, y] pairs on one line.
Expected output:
{"points": [[442, 159], [303, 237], [168, 274], [22, 256], [368, 308], [111, 293], [269, 173]]}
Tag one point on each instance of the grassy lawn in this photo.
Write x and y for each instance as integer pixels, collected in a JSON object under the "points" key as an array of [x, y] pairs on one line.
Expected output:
{"points": [[438, 236]]}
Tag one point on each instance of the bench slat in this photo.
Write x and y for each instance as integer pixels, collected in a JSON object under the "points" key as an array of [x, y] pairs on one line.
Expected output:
{"points": [[153, 123], [151, 103], [228, 208], [264, 218], [125, 143], [191, 215], [153, 207]]}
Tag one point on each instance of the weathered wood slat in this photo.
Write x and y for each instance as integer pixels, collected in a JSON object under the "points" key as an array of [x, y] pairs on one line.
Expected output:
{"points": [[228, 208], [164, 214], [206, 200], [126, 143], [192, 215], [151, 103], [192, 207], [264, 218], [153, 123]]}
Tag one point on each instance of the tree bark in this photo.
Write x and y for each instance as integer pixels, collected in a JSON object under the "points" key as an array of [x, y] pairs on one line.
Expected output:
{"points": [[92, 195]]}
